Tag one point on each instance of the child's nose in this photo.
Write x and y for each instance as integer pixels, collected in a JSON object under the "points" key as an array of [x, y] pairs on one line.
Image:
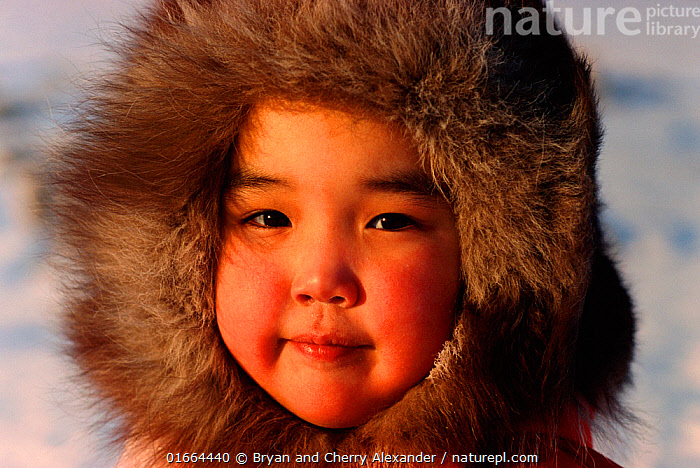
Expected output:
{"points": [[325, 275]]}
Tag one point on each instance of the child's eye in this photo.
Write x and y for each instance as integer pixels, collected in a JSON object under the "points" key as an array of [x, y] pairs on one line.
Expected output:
{"points": [[269, 219], [391, 222]]}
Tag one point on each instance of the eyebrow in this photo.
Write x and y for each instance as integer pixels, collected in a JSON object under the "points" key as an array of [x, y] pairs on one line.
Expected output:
{"points": [[247, 179], [414, 183]]}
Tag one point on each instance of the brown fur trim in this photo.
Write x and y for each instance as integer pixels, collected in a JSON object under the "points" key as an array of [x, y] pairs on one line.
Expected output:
{"points": [[507, 125]]}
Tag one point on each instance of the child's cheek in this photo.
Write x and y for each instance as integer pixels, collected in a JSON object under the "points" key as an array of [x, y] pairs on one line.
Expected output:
{"points": [[415, 295], [250, 300]]}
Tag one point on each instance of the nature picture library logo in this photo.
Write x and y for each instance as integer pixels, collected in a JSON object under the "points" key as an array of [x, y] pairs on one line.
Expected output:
{"points": [[659, 20]]}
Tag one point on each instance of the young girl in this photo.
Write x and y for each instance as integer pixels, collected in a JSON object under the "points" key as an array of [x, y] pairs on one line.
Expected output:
{"points": [[330, 230]]}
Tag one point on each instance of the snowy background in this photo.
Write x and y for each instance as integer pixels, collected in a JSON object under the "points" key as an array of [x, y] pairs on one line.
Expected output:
{"points": [[649, 172]]}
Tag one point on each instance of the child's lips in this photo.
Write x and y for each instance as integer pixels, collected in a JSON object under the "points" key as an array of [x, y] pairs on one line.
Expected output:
{"points": [[327, 348]]}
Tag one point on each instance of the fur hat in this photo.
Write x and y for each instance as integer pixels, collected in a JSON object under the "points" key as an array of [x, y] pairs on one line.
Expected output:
{"points": [[507, 124]]}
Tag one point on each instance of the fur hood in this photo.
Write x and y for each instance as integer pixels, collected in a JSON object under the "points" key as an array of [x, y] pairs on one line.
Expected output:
{"points": [[507, 123]]}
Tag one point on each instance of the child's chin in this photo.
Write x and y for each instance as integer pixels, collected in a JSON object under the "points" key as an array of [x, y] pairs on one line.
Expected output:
{"points": [[335, 416], [339, 422]]}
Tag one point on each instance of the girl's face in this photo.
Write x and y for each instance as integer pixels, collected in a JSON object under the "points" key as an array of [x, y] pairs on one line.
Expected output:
{"points": [[340, 270]]}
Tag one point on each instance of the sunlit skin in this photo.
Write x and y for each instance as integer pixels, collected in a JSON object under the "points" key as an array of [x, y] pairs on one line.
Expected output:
{"points": [[340, 270]]}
